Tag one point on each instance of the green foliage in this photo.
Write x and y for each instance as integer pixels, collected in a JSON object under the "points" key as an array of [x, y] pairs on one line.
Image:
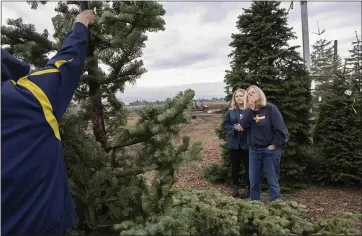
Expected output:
{"points": [[262, 57], [354, 65], [202, 212], [111, 187], [338, 135], [338, 225], [219, 174], [338, 131], [35, 4], [22, 40], [324, 64], [107, 165]]}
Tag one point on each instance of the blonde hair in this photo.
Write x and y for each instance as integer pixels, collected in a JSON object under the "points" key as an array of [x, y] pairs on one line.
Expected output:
{"points": [[262, 98], [233, 104]]}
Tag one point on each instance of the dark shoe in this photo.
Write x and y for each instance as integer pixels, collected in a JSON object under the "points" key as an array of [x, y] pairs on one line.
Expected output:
{"points": [[246, 193], [235, 191]]}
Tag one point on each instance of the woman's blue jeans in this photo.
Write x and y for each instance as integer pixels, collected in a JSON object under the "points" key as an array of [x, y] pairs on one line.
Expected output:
{"points": [[269, 160]]}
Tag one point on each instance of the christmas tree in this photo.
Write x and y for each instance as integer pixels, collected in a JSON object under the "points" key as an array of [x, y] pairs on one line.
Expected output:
{"points": [[324, 63], [338, 132], [262, 56], [108, 162], [354, 63]]}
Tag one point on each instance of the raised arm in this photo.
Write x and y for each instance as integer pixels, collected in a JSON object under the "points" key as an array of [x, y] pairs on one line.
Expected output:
{"points": [[247, 120], [59, 78]]}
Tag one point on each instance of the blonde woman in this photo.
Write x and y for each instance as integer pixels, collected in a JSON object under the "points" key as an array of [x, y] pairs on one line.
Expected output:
{"points": [[267, 133], [237, 143]]}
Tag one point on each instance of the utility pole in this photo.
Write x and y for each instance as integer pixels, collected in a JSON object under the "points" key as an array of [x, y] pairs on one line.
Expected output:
{"points": [[335, 55], [305, 33]]}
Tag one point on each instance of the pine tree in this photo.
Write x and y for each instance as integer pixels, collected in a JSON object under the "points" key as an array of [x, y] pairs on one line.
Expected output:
{"points": [[323, 65], [338, 131], [354, 64], [323, 60], [262, 56], [336, 138], [338, 134], [107, 163]]}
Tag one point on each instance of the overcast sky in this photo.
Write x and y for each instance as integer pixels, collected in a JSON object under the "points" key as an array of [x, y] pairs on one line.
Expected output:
{"points": [[194, 46]]}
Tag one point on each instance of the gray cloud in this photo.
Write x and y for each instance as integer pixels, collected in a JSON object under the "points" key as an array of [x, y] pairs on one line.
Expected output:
{"points": [[217, 11], [348, 13], [347, 9], [213, 11], [194, 46], [181, 61], [173, 8], [40, 18], [348, 42]]}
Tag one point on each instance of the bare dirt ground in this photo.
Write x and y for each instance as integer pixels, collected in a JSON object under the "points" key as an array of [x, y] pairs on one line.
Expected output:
{"points": [[322, 202]]}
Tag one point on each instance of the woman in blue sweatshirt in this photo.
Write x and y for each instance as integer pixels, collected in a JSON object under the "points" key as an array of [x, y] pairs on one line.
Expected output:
{"points": [[267, 133], [236, 142]]}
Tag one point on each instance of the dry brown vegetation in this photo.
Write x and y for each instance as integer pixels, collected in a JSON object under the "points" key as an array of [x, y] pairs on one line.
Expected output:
{"points": [[323, 202]]}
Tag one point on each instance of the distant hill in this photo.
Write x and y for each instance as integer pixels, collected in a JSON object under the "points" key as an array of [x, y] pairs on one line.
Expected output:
{"points": [[152, 94]]}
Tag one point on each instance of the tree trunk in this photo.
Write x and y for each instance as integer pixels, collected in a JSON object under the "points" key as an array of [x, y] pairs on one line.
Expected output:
{"points": [[96, 108]]}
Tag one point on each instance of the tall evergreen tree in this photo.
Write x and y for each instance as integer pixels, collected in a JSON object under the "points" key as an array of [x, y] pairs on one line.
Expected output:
{"points": [[262, 56], [355, 67], [107, 163], [338, 134], [323, 65], [353, 71], [354, 64]]}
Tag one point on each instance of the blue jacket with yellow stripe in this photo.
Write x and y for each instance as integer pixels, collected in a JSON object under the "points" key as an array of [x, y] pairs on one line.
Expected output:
{"points": [[35, 196]]}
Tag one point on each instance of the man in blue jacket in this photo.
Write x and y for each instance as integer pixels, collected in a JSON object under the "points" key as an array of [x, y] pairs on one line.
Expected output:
{"points": [[35, 196]]}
